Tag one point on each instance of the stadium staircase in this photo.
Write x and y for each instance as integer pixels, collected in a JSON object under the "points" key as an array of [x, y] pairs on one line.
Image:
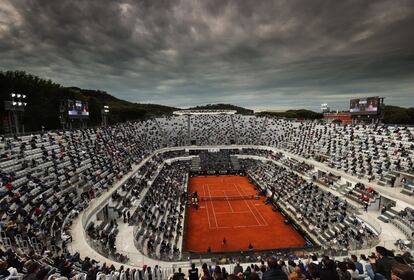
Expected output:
{"points": [[388, 215], [235, 163], [189, 130], [234, 129], [195, 164], [259, 138], [162, 132]]}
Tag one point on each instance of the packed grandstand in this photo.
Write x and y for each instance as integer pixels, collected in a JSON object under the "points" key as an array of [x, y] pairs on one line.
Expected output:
{"points": [[124, 201]]}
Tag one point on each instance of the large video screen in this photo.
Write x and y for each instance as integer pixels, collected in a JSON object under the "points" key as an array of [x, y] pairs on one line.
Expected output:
{"points": [[78, 109], [365, 105]]}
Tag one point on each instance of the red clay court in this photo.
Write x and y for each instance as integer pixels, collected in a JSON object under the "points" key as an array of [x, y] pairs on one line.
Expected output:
{"points": [[240, 221]]}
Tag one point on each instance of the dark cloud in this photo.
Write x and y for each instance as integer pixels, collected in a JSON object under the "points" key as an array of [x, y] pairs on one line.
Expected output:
{"points": [[260, 54]]}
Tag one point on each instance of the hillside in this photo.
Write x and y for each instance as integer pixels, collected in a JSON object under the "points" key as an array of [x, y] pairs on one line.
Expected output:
{"points": [[240, 110], [398, 115], [43, 97], [293, 114]]}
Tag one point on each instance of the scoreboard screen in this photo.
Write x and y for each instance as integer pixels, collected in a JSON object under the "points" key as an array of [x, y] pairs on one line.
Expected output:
{"points": [[78, 109], [364, 106]]}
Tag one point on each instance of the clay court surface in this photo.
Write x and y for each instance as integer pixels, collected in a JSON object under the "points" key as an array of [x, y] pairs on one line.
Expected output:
{"points": [[240, 221]]}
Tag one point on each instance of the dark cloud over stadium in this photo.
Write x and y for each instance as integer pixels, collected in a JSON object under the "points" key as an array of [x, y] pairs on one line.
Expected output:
{"points": [[259, 54]]}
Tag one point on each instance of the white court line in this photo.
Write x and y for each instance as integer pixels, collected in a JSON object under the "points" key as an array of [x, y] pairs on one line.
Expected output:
{"points": [[247, 205], [208, 215], [258, 212], [251, 226], [231, 208], [255, 208], [212, 206], [237, 212]]}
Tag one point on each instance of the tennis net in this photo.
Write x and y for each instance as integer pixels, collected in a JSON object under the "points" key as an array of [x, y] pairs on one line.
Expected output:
{"points": [[224, 198]]}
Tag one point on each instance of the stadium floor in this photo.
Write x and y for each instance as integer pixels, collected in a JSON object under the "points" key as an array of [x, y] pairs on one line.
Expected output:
{"points": [[241, 221]]}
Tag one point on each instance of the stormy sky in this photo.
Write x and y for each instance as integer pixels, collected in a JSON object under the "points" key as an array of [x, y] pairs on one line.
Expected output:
{"points": [[258, 54]]}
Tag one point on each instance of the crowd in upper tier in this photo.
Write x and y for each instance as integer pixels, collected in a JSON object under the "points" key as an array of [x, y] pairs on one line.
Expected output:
{"points": [[366, 151], [369, 151]]}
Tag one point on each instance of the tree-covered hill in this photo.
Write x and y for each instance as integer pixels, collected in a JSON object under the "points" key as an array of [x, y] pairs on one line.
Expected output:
{"points": [[398, 115], [240, 110], [293, 114], [44, 96]]}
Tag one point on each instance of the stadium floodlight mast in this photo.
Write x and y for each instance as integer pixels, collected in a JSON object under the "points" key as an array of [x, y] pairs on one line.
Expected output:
{"points": [[105, 112], [15, 108]]}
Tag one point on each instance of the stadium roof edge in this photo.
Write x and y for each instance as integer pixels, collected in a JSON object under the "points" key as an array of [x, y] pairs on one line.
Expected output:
{"points": [[205, 112]]}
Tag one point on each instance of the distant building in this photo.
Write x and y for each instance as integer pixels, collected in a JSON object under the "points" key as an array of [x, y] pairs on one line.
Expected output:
{"points": [[344, 117], [205, 112]]}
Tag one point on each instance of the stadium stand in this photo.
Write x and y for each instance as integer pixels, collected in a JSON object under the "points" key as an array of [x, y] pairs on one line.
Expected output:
{"points": [[327, 217], [48, 179], [161, 213], [211, 129]]}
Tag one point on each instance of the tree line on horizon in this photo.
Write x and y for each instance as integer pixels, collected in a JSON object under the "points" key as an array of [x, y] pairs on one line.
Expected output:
{"points": [[44, 97], [392, 115]]}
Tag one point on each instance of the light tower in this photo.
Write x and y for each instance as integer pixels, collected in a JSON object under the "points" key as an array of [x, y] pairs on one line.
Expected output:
{"points": [[105, 113], [325, 108], [15, 109]]}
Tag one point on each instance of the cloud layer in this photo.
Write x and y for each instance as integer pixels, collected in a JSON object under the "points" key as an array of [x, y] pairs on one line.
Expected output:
{"points": [[258, 54]]}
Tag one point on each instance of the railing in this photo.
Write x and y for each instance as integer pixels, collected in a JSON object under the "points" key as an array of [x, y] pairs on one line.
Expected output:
{"points": [[133, 258], [137, 258]]}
